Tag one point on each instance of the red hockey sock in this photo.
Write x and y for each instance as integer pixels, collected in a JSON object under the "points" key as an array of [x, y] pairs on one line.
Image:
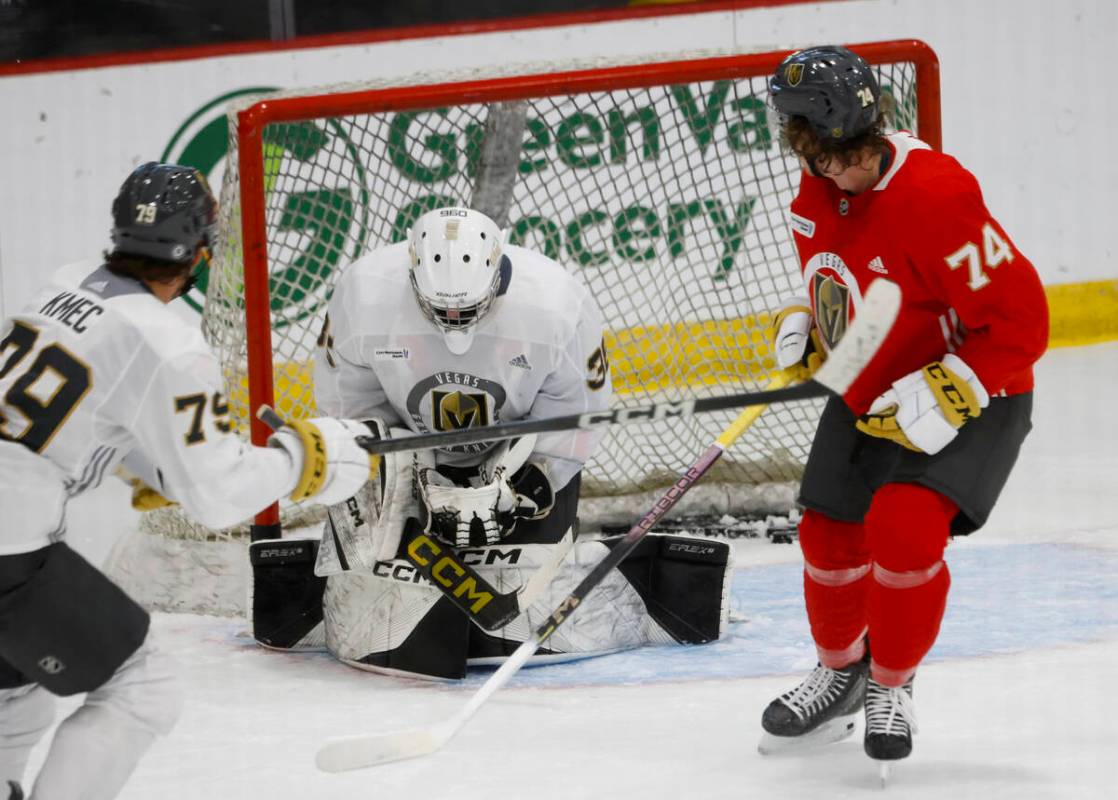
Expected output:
{"points": [[907, 529], [836, 580]]}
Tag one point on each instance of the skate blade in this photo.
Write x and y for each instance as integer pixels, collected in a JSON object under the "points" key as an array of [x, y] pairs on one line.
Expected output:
{"points": [[829, 732], [884, 770]]}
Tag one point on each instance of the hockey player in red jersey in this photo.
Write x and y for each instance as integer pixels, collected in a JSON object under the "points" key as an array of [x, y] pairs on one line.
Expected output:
{"points": [[921, 445]]}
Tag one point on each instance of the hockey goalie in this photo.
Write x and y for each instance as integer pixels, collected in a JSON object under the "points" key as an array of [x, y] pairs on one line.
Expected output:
{"points": [[454, 328]]}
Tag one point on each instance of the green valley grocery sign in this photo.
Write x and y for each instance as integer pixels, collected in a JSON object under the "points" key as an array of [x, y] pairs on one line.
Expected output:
{"points": [[599, 183]]}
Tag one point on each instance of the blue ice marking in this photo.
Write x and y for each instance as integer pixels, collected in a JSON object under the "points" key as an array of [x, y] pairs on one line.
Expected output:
{"points": [[1004, 598]]}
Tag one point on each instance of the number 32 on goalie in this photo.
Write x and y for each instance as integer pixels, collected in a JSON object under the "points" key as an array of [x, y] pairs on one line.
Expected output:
{"points": [[995, 250]]}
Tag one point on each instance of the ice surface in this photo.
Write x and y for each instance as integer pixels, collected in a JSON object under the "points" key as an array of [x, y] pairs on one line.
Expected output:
{"points": [[1017, 700]]}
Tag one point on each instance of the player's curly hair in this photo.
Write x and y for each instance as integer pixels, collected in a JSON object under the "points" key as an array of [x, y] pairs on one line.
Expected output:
{"points": [[801, 138], [143, 268]]}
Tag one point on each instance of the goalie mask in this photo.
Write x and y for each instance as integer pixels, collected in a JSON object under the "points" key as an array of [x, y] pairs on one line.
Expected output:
{"points": [[455, 271]]}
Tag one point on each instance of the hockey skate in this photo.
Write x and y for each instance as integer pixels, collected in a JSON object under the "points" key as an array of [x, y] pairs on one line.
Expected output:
{"points": [[890, 723], [821, 710]]}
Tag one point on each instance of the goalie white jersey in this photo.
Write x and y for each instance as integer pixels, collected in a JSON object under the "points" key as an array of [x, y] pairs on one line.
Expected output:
{"points": [[538, 353], [95, 369]]}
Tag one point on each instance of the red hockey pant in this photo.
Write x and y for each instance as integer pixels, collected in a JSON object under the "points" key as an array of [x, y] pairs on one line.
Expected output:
{"points": [[884, 576]]}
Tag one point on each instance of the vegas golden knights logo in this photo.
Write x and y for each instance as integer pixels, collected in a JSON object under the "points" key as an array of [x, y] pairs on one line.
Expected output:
{"points": [[794, 74], [453, 411], [832, 304]]}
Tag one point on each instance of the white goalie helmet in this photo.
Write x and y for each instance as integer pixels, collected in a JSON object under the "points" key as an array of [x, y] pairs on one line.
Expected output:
{"points": [[455, 271]]}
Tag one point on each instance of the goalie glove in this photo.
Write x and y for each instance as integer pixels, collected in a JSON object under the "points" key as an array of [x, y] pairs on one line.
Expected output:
{"points": [[924, 410], [535, 495], [333, 466], [486, 511], [466, 516], [795, 339]]}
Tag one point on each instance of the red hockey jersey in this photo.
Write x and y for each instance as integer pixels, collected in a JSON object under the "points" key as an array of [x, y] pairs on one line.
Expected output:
{"points": [[966, 289]]}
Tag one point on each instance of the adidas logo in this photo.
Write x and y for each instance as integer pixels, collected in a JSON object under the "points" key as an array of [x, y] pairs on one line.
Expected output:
{"points": [[520, 361], [877, 265]]}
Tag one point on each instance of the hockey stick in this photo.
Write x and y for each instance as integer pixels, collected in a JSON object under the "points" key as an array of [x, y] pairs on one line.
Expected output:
{"points": [[444, 568], [857, 347], [592, 419]]}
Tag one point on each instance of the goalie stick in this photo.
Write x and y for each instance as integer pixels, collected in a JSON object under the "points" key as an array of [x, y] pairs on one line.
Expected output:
{"points": [[862, 340]]}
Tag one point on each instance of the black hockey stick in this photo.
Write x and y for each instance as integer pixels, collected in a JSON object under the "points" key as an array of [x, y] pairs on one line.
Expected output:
{"points": [[595, 419], [846, 362]]}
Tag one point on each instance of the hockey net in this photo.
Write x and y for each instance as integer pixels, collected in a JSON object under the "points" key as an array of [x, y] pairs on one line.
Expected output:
{"points": [[661, 184]]}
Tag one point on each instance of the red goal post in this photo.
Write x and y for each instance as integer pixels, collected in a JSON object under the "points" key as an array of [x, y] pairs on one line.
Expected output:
{"points": [[257, 177]]}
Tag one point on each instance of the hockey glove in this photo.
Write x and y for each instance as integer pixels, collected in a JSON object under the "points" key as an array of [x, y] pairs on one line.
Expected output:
{"points": [[466, 516], [795, 339], [924, 410], [334, 466], [144, 497], [534, 493]]}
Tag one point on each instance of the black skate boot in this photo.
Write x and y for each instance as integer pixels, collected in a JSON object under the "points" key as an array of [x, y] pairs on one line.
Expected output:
{"points": [[821, 710], [14, 792], [890, 721]]}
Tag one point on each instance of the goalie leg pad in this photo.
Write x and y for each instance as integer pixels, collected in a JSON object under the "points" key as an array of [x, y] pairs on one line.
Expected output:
{"points": [[684, 582], [671, 589], [286, 601], [63, 623], [366, 528], [393, 621]]}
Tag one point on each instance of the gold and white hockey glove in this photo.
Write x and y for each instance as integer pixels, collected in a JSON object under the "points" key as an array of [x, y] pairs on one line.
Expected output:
{"points": [[795, 339], [924, 410], [144, 497], [333, 465]]}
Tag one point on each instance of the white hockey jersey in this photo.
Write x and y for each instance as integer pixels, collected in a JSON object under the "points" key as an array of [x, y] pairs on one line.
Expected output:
{"points": [[96, 368], [538, 353]]}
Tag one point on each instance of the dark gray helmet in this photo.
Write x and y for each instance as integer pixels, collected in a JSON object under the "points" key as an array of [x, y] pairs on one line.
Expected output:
{"points": [[830, 86], [166, 212]]}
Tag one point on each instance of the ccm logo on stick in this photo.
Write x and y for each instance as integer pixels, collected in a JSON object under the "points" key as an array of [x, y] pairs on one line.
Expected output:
{"points": [[448, 572], [595, 418]]}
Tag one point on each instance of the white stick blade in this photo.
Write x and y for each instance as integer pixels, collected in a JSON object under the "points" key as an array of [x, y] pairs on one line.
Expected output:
{"points": [[858, 345], [356, 752]]}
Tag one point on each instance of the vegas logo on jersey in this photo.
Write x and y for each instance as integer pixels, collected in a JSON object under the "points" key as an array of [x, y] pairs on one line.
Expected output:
{"points": [[455, 400], [832, 304], [454, 411]]}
